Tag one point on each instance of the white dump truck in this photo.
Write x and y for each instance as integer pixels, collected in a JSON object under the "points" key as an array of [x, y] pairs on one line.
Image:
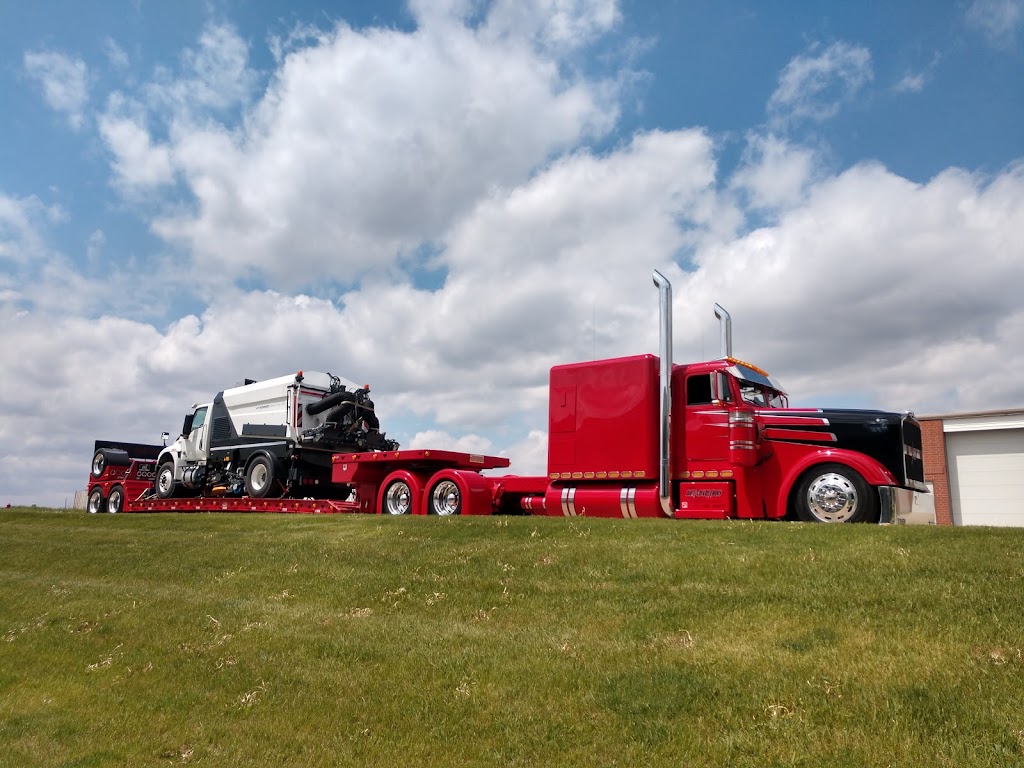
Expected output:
{"points": [[270, 438]]}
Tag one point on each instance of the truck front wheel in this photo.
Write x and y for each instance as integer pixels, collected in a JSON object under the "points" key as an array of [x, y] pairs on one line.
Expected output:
{"points": [[165, 484], [259, 477], [834, 493]]}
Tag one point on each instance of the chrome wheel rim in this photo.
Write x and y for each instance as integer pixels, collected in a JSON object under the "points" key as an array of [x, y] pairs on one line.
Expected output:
{"points": [[114, 502], [832, 498], [446, 498], [97, 464], [398, 499], [95, 502]]}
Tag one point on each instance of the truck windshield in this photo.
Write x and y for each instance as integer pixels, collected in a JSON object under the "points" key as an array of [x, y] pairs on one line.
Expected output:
{"points": [[753, 394], [762, 396], [757, 387]]}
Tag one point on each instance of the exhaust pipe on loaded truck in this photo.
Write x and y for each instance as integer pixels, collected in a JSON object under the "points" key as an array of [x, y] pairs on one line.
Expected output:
{"points": [[725, 323], [665, 353]]}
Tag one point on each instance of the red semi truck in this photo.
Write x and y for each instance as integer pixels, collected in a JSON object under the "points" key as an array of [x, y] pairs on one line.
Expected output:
{"points": [[628, 437]]}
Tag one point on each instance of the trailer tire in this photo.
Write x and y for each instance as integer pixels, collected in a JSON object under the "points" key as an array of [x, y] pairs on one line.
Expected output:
{"points": [[398, 498], [259, 477], [835, 493], [445, 498], [115, 501], [95, 503], [164, 485], [109, 457]]}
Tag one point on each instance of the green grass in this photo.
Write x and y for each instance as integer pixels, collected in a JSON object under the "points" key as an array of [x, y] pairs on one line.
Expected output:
{"points": [[278, 640]]}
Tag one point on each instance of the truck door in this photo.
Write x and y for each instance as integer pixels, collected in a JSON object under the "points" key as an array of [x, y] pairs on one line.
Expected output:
{"points": [[196, 440], [707, 420]]}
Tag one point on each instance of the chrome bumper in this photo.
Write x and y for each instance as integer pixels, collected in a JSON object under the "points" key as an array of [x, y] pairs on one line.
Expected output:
{"points": [[903, 506]]}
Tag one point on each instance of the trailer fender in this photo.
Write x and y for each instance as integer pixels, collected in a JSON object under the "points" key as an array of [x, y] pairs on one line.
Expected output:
{"points": [[873, 472], [401, 493], [458, 492]]}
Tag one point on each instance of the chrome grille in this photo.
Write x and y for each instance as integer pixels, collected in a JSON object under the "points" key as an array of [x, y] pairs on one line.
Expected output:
{"points": [[913, 456]]}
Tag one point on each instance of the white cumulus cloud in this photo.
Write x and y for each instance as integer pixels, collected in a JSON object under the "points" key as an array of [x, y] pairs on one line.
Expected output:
{"points": [[64, 81], [815, 85]]}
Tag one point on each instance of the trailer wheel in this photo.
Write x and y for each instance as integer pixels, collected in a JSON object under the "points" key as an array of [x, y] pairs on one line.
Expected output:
{"points": [[95, 500], [834, 493], [165, 485], [446, 499], [398, 498], [115, 501], [259, 477], [99, 463]]}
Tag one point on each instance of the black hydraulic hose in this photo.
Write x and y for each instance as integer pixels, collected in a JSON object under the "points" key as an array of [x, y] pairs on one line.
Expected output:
{"points": [[329, 402]]}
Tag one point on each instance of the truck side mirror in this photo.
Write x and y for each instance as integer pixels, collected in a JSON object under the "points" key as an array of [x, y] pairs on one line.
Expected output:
{"points": [[187, 427], [165, 436], [719, 388]]}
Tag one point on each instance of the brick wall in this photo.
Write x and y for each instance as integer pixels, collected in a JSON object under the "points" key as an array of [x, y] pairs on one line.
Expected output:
{"points": [[934, 447]]}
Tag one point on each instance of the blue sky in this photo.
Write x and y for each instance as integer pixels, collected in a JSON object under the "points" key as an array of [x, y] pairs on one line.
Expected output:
{"points": [[446, 198]]}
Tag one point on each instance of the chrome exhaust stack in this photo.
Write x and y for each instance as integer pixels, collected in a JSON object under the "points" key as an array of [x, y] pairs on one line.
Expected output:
{"points": [[665, 353], [725, 324]]}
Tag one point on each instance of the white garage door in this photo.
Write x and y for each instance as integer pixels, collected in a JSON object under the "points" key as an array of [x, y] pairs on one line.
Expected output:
{"points": [[986, 476]]}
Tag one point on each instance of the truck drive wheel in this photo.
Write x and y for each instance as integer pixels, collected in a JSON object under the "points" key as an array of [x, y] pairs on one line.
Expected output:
{"points": [[833, 493], [445, 499], [259, 477], [165, 485], [95, 501], [115, 501]]}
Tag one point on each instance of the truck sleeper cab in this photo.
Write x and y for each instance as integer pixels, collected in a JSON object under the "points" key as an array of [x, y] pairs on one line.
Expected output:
{"points": [[732, 445]]}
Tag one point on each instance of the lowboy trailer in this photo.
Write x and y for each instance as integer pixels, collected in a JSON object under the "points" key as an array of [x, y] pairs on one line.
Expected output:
{"points": [[628, 437]]}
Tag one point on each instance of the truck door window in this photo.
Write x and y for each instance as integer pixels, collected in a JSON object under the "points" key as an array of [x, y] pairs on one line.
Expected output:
{"points": [[698, 389], [198, 419]]}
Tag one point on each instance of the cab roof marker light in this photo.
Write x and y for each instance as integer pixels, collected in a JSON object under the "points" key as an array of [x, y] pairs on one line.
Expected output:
{"points": [[751, 366]]}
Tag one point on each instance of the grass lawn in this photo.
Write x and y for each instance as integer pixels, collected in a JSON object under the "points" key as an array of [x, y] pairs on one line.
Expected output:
{"points": [[279, 640]]}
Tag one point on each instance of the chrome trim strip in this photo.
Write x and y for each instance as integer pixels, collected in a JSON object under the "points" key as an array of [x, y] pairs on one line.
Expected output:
{"points": [[569, 501], [627, 502]]}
